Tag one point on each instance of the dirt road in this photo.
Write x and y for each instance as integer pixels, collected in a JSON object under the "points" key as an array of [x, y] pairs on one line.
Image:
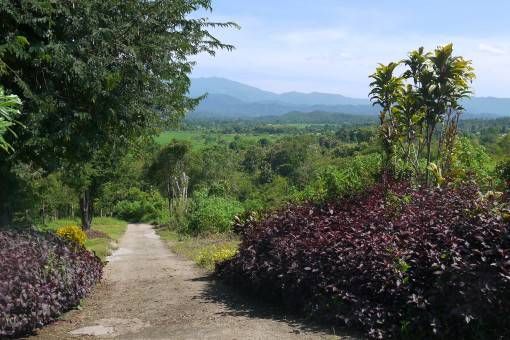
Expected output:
{"points": [[150, 293]]}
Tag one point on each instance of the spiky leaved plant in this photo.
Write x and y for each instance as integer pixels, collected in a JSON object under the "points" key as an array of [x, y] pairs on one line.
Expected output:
{"points": [[9, 109]]}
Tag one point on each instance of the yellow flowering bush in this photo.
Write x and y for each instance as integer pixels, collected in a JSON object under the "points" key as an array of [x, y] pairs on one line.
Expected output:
{"points": [[209, 256], [72, 233]]}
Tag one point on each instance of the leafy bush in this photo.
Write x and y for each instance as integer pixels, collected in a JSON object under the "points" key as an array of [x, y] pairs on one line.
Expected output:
{"points": [[433, 264], [355, 175], [503, 170], [140, 206], [471, 161], [72, 233], [41, 277], [212, 214]]}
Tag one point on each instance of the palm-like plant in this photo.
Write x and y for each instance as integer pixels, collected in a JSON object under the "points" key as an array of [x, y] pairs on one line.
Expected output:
{"points": [[452, 79], [409, 113], [9, 109], [386, 89], [428, 93], [416, 62]]}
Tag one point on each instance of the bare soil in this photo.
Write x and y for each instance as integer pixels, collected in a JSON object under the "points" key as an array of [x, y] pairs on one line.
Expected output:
{"points": [[150, 293]]}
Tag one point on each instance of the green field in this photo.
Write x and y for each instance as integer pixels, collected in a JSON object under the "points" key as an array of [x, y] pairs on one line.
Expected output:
{"points": [[200, 139]]}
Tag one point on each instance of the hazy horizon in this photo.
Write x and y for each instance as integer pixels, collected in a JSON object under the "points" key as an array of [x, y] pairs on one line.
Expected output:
{"points": [[332, 46], [313, 91]]}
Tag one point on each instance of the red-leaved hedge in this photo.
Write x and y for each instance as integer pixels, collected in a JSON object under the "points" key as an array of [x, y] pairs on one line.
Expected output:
{"points": [[41, 276], [416, 263]]}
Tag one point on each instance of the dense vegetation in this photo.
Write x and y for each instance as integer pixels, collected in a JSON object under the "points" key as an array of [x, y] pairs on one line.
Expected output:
{"points": [[230, 172], [95, 78], [43, 275], [393, 261], [422, 254], [82, 83], [399, 228]]}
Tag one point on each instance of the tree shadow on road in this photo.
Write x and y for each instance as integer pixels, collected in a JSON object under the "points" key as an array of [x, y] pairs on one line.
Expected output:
{"points": [[238, 304]]}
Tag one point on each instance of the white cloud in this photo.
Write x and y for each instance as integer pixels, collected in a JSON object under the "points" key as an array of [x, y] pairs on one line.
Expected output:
{"points": [[491, 49], [339, 60]]}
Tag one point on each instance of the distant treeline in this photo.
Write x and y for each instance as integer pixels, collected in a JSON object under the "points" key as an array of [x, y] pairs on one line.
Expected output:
{"points": [[306, 122]]}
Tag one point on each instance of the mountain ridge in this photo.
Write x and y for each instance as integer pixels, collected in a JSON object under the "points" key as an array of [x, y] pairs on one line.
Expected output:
{"points": [[231, 99]]}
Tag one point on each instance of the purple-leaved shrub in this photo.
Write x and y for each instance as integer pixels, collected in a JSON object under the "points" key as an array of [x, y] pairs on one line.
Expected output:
{"points": [[41, 276], [403, 262]]}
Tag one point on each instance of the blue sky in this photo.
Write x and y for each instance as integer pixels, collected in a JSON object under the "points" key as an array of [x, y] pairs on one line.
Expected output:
{"points": [[332, 46]]}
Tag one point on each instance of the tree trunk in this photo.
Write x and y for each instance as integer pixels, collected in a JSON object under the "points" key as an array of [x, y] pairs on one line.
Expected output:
{"points": [[430, 135], [427, 176], [43, 213], [86, 210], [4, 217], [169, 195]]}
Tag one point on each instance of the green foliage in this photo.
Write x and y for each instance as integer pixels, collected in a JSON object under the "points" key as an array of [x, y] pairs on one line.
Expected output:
{"points": [[499, 146], [271, 195], [167, 167], [36, 196], [386, 89], [426, 95], [169, 161], [503, 170], [140, 206], [262, 176], [471, 161], [63, 58], [402, 266], [357, 174], [285, 158], [9, 109], [94, 81], [214, 164], [212, 214]]}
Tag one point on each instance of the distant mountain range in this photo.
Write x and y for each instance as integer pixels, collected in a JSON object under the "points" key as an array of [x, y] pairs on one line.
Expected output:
{"points": [[231, 99]]}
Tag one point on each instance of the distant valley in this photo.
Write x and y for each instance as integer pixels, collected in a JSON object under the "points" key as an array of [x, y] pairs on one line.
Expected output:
{"points": [[227, 99]]}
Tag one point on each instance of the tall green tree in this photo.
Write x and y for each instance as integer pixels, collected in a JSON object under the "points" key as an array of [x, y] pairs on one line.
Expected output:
{"points": [[168, 172], [99, 73]]}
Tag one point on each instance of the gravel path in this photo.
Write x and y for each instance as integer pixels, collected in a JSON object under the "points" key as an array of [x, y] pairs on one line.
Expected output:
{"points": [[150, 293]]}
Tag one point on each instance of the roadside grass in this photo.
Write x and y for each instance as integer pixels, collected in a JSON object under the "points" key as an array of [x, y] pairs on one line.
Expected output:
{"points": [[204, 250], [109, 231], [55, 224], [113, 228]]}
